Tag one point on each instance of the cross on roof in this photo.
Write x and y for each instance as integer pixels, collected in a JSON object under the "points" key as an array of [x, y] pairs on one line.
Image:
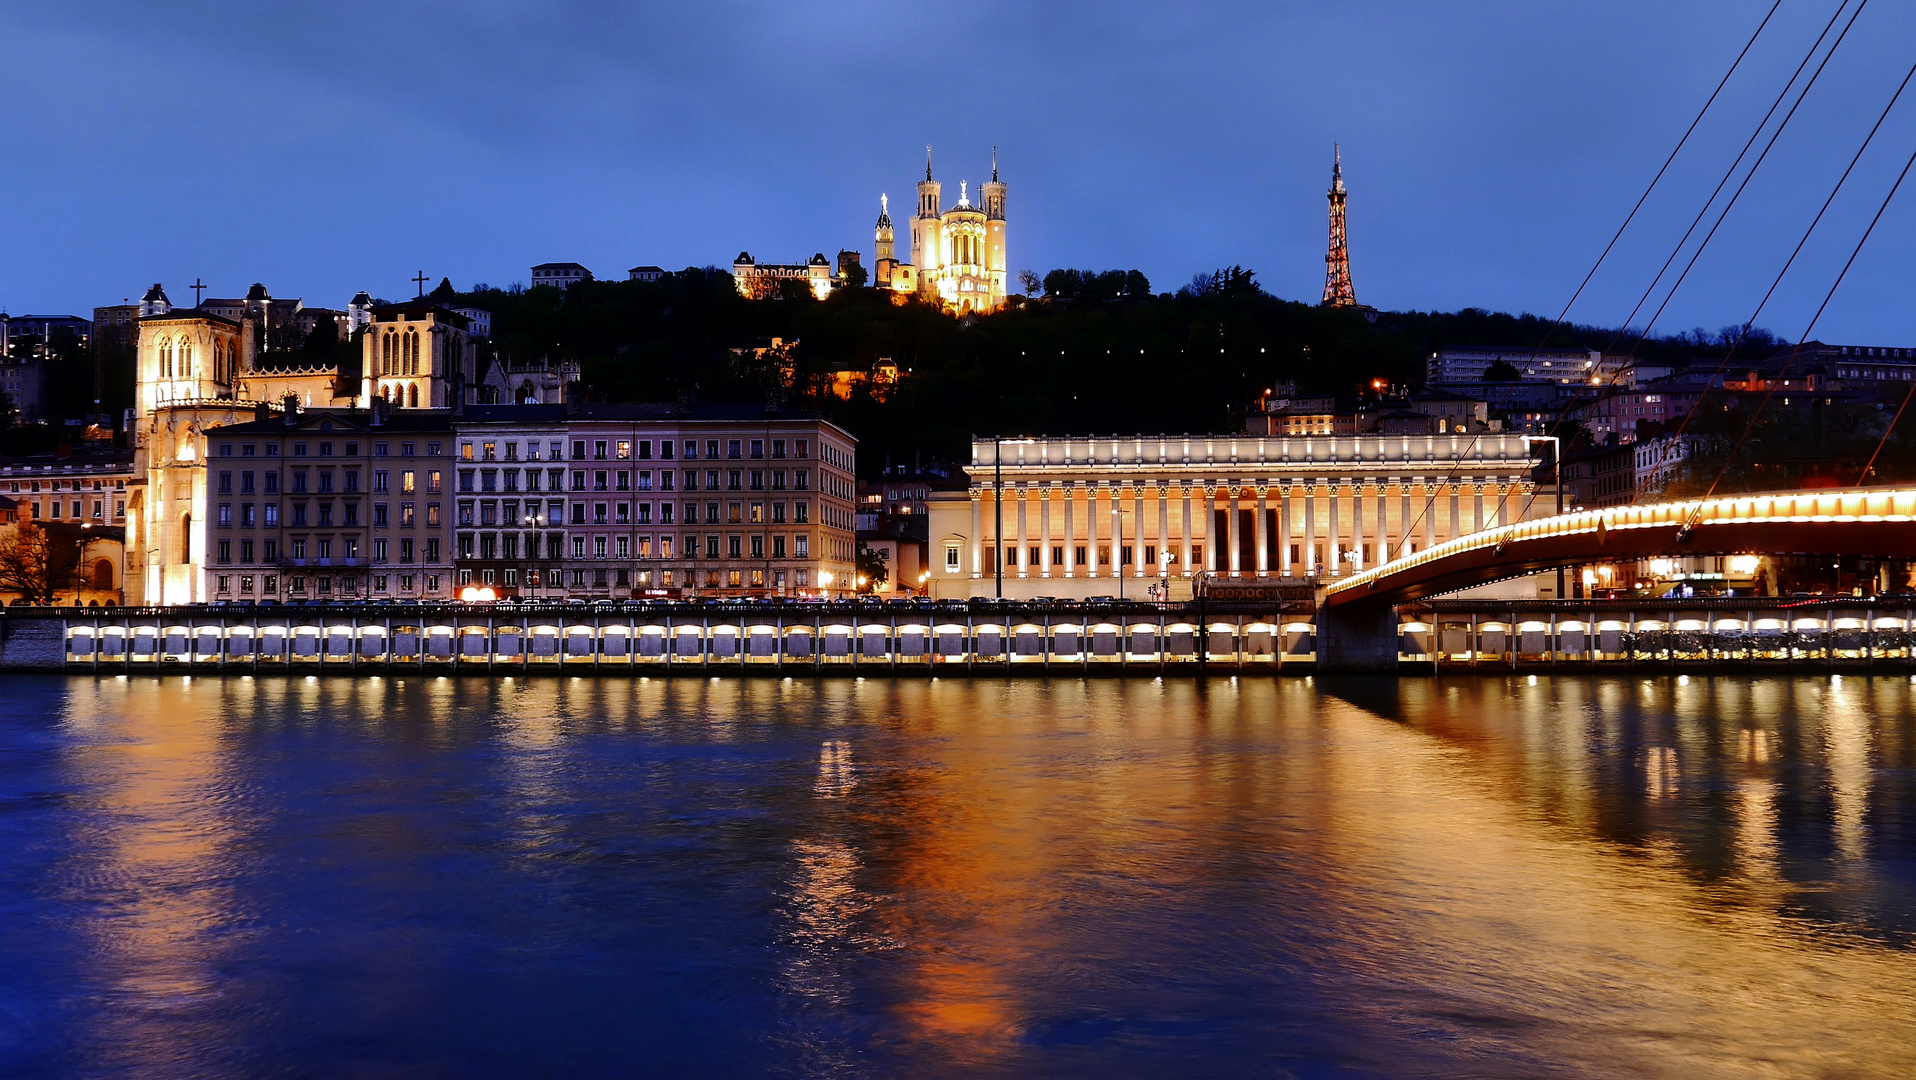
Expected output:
{"points": [[421, 280]]}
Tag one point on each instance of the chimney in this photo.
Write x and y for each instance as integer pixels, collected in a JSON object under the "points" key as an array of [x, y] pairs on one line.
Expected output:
{"points": [[262, 412], [290, 404], [376, 415]]}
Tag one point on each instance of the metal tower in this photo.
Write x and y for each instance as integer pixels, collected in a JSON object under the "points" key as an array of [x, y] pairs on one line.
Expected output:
{"points": [[1337, 264]]}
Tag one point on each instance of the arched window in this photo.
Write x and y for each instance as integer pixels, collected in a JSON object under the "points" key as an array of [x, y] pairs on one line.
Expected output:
{"points": [[412, 352], [166, 359], [186, 359], [414, 395], [103, 575], [186, 538]]}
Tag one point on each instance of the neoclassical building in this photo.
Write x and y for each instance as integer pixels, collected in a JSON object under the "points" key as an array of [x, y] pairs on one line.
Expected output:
{"points": [[1075, 517], [957, 254]]}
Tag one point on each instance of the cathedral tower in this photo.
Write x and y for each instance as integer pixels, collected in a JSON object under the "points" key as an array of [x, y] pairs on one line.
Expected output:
{"points": [[1337, 263]]}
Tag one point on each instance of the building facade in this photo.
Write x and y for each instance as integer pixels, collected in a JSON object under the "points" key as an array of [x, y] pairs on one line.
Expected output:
{"points": [[617, 501], [1103, 516], [559, 275], [762, 281], [328, 505]]}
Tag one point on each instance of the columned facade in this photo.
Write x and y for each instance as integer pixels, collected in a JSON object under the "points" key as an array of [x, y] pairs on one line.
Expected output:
{"points": [[1118, 516]]}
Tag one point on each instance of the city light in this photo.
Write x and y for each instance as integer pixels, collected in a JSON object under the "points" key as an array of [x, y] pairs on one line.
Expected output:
{"points": [[1744, 564]]}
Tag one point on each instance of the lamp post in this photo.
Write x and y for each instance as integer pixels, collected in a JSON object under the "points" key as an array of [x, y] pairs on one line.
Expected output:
{"points": [[1556, 474]]}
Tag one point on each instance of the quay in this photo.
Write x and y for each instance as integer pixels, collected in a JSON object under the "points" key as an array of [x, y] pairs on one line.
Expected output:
{"points": [[1290, 636]]}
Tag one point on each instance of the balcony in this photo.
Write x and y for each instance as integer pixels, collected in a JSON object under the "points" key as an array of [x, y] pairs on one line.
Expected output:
{"points": [[329, 564]]}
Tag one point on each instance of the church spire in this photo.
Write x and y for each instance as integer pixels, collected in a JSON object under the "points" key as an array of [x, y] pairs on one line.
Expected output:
{"points": [[927, 161], [994, 164]]}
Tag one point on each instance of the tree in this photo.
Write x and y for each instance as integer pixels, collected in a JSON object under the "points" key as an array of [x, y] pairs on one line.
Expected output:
{"points": [[792, 288], [871, 568], [35, 563], [855, 276], [1502, 371], [443, 293], [1030, 282]]}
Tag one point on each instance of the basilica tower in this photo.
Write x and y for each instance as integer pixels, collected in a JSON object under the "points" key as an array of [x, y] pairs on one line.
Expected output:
{"points": [[927, 226], [993, 196]]}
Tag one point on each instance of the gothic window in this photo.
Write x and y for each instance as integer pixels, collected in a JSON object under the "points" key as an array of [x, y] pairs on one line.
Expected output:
{"points": [[186, 359], [412, 352], [413, 394], [166, 359], [186, 538]]}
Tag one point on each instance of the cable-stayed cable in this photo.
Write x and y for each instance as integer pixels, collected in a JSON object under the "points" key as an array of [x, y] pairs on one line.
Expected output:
{"points": [[1791, 261], [1810, 328]]}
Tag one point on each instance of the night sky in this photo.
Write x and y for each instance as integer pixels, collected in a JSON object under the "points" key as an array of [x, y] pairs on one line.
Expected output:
{"points": [[1490, 148]]}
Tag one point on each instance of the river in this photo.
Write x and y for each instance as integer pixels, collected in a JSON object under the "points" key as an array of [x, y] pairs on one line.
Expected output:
{"points": [[431, 877]]}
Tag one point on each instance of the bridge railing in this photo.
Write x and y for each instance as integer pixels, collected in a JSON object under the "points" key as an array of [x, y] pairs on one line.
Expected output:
{"points": [[1860, 504]]}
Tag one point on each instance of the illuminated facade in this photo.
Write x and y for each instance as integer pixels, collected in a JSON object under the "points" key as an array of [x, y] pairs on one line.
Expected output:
{"points": [[957, 255], [1076, 517]]}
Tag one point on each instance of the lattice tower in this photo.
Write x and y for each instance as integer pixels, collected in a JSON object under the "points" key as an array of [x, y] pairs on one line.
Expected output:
{"points": [[1337, 264]]}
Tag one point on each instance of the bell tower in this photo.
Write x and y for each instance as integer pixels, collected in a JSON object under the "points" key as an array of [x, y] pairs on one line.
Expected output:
{"points": [[927, 226], [993, 196]]}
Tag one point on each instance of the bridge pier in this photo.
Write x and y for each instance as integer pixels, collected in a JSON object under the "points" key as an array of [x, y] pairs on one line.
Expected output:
{"points": [[1357, 639]]}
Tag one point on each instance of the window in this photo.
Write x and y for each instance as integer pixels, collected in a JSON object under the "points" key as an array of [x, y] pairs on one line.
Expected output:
{"points": [[379, 515], [778, 448], [246, 551], [951, 557], [758, 448], [691, 451], [225, 514], [380, 481], [225, 552], [381, 449], [270, 515], [226, 483], [731, 448], [578, 449]]}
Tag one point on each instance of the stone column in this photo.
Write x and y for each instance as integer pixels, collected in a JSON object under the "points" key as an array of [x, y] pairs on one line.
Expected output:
{"points": [[1091, 528], [977, 533], [1117, 531], [1310, 530], [1330, 548], [1231, 526], [1070, 531], [1477, 507], [1164, 531], [1210, 522], [1431, 495], [1137, 542], [1185, 532], [1024, 556], [1357, 527], [1284, 530], [1263, 544], [1456, 514], [1044, 530]]}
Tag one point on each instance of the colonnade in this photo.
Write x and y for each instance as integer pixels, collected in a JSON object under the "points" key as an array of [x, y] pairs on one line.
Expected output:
{"points": [[1171, 528]]}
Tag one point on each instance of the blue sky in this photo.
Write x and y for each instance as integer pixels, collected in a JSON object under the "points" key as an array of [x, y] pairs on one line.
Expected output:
{"points": [[1490, 148]]}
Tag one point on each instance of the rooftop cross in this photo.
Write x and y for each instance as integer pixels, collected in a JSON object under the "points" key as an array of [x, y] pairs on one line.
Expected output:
{"points": [[197, 289], [420, 280]]}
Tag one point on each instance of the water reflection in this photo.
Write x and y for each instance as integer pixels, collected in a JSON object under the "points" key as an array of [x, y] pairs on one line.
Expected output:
{"points": [[1682, 876]]}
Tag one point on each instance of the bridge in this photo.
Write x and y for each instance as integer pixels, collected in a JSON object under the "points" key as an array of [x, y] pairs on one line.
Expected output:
{"points": [[1359, 626]]}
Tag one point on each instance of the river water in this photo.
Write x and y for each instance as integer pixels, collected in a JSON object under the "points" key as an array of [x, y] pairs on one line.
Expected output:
{"points": [[424, 877]]}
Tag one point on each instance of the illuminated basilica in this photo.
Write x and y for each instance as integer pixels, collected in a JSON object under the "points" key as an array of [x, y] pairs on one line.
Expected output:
{"points": [[957, 255]]}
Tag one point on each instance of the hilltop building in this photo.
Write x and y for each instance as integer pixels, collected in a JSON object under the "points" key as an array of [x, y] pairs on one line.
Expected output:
{"points": [[957, 255]]}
